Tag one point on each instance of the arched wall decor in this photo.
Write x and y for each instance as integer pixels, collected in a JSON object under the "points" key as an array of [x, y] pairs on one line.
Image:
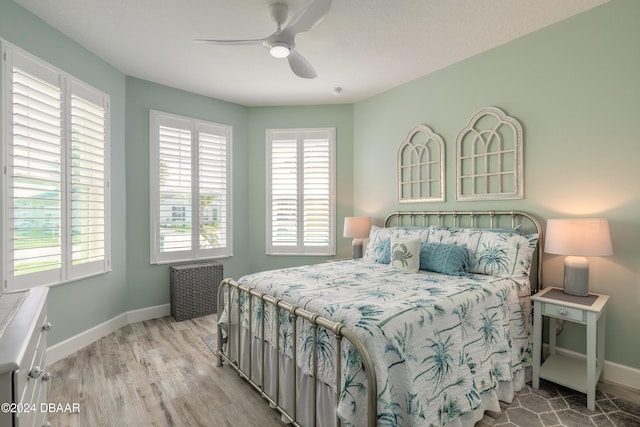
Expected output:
{"points": [[489, 152], [421, 166]]}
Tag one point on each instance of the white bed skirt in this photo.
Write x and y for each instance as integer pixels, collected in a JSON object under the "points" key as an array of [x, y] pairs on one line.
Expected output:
{"points": [[326, 398]]}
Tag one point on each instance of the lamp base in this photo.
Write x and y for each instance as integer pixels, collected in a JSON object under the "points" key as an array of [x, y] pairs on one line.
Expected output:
{"points": [[356, 248], [576, 276]]}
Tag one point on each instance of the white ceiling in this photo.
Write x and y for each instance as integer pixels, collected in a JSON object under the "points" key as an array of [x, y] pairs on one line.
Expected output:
{"points": [[363, 46]]}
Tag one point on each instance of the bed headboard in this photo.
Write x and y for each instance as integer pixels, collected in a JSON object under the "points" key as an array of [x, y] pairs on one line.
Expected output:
{"points": [[526, 222]]}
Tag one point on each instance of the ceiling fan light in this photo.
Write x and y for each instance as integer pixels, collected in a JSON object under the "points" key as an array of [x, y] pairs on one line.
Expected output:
{"points": [[279, 50]]}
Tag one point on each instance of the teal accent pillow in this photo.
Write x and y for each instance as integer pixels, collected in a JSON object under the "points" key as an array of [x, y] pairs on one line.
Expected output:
{"points": [[384, 251], [442, 258]]}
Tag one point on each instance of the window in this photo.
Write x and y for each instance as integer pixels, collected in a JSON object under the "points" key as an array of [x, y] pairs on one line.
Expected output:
{"points": [[301, 191], [191, 188], [56, 175]]}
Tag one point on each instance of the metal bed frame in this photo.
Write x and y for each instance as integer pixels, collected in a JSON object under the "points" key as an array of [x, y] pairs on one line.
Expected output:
{"points": [[467, 219]]}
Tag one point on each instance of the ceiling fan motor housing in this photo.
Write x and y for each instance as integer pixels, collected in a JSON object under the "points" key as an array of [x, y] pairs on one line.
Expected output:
{"points": [[279, 12]]}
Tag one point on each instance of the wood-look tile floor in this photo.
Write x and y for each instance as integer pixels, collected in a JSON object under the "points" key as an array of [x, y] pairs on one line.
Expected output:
{"points": [[154, 373], [161, 373]]}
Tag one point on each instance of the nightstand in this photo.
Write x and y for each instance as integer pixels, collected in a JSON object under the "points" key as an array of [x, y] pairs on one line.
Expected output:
{"points": [[576, 374]]}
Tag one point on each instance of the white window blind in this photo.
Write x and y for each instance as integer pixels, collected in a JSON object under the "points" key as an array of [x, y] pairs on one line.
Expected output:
{"points": [[88, 179], [301, 191], [56, 179], [212, 169], [191, 201]]}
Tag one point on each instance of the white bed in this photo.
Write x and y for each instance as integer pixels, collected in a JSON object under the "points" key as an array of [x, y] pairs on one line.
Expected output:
{"points": [[444, 347]]}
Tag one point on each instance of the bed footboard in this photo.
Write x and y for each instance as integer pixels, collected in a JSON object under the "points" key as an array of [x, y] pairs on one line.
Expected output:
{"points": [[233, 340]]}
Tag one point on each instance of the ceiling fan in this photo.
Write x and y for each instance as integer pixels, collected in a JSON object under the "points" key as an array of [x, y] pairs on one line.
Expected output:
{"points": [[281, 44]]}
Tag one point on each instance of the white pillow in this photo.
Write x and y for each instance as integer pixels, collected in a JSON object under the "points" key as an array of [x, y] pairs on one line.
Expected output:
{"points": [[405, 254], [379, 244]]}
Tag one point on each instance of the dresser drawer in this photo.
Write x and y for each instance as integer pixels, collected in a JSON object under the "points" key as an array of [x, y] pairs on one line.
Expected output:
{"points": [[32, 362], [562, 312], [33, 386]]}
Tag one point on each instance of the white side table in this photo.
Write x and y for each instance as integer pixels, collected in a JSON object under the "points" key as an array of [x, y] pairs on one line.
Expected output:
{"points": [[576, 374]]}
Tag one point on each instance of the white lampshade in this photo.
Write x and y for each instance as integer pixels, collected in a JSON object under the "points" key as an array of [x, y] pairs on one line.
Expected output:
{"points": [[579, 237], [357, 226]]}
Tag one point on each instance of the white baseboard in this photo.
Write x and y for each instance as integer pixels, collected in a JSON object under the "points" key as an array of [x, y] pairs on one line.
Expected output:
{"points": [[71, 345], [148, 313], [612, 372]]}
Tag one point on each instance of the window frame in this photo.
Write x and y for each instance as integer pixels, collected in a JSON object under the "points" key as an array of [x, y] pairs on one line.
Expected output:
{"points": [[196, 127], [300, 248], [69, 88]]}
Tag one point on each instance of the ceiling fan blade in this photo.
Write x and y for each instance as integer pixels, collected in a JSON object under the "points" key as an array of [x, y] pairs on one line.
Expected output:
{"points": [[300, 66], [231, 42], [308, 16]]}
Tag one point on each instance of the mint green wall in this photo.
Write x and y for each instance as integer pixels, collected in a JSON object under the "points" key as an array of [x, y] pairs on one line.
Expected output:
{"points": [[575, 88], [148, 285], [261, 119], [78, 306]]}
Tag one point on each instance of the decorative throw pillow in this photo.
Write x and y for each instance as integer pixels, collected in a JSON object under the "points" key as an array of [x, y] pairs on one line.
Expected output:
{"points": [[379, 245], [442, 258], [504, 254], [405, 254]]}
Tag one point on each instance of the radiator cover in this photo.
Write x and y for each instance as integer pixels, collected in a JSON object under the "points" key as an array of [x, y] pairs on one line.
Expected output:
{"points": [[194, 289]]}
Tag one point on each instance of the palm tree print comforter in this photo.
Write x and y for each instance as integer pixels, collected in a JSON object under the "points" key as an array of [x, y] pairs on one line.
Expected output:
{"points": [[438, 342]]}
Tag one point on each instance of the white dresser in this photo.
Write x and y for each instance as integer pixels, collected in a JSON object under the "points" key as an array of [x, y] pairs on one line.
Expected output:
{"points": [[23, 348]]}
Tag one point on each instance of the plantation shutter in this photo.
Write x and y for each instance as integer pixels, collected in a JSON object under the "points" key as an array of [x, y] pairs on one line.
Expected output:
{"points": [[88, 180], [175, 186], [212, 185], [55, 164], [35, 174], [191, 199], [317, 189], [301, 195], [284, 189]]}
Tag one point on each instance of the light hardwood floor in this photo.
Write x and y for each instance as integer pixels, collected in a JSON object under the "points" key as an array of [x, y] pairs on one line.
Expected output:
{"points": [[154, 373], [161, 373]]}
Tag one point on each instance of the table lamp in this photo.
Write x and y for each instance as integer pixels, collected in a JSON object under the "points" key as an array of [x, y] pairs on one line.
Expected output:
{"points": [[358, 228], [577, 238]]}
